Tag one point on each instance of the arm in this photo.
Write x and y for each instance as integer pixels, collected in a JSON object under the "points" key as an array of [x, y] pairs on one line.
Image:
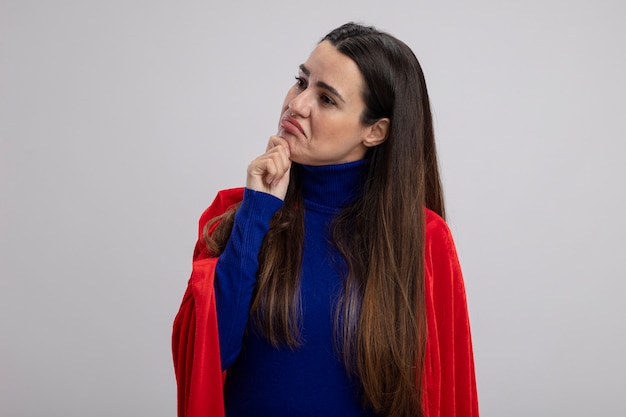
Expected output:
{"points": [[195, 336], [195, 347], [450, 383], [266, 187], [195, 343], [236, 270]]}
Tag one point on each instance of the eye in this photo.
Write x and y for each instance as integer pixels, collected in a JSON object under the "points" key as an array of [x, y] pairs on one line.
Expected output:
{"points": [[327, 100], [300, 82]]}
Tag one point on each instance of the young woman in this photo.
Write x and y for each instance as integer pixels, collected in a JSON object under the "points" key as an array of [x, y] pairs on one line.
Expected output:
{"points": [[330, 285]]}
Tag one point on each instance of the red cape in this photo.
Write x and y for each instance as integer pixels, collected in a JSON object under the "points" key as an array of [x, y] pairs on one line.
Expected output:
{"points": [[449, 379]]}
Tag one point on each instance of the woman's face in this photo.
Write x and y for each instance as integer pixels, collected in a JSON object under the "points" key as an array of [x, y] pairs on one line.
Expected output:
{"points": [[321, 114]]}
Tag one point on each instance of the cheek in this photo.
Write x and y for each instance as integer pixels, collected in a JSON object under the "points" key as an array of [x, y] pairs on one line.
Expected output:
{"points": [[348, 129]]}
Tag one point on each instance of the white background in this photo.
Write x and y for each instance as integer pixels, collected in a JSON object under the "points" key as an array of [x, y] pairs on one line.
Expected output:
{"points": [[119, 120]]}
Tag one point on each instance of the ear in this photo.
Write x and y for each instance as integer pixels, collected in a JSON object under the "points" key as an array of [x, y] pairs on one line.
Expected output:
{"points": [[376, 133]]}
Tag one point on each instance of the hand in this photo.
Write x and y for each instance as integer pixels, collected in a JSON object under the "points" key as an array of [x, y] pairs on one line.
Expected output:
{"points": [[269, 173]]}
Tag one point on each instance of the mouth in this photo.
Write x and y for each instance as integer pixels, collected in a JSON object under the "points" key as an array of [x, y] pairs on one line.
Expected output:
{"points": [[291, 125]]}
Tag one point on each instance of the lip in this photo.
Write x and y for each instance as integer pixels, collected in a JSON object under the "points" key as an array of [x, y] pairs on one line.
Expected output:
{"points": [[291, 125]]}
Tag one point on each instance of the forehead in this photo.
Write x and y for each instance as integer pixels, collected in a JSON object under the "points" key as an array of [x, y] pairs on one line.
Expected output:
{"points": [[326, 64]]}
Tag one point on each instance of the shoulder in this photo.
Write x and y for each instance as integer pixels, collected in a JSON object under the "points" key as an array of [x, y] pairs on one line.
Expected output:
{"points": [[436, 227], [439, 247], [223, 201]]}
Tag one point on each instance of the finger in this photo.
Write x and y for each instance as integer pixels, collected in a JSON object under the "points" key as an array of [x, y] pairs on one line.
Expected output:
{"points": [[271, 170], [270, 167], [280, 155], [283, 164], [277, 141], [276, 166]]}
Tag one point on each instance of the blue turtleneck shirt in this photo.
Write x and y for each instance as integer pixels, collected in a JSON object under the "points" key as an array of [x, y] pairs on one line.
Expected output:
{"points": [[310, 380]]}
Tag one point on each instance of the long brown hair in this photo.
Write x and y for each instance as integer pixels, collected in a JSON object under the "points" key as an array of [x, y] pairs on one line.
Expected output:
{"points": [[380, 319]]}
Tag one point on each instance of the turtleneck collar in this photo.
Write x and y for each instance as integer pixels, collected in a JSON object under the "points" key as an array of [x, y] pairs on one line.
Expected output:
{"points": [[332, 186]]}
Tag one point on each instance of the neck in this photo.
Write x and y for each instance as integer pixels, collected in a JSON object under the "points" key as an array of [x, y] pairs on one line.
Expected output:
{"points": [[333, 186]]}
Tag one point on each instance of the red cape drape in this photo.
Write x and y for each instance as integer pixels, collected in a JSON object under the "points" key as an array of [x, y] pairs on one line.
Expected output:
{"points": [[449, 378]]}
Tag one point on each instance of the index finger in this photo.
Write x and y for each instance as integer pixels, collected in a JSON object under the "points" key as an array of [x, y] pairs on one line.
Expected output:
{"points": [[276, 141]]}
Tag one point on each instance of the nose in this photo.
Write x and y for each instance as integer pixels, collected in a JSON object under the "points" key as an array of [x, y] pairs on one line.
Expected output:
{"points": [[300, 105]]}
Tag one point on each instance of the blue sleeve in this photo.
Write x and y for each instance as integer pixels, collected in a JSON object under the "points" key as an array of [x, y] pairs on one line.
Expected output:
{"points": [[235, 272]]}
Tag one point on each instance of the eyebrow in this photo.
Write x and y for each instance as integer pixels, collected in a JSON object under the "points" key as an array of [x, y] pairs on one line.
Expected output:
{"points": [[322, 84]]}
